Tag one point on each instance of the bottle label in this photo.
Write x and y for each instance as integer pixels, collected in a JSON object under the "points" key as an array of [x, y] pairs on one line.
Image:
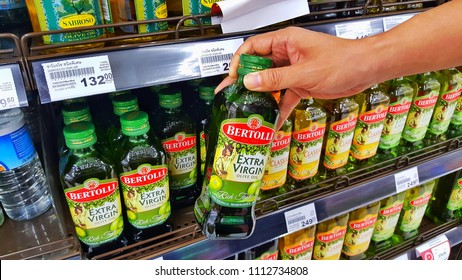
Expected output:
{"points": [[457, 116], [241, 155], [203, 150], [198, 7], [444, 110], [12, 4], [151, 9], [276, 168], [16, 149], [339, 141], [367, 133], [96, 210], [419, 116], [394, 123], [146, 195], [181, 159], [58, 14], [301, 250], [414, 208], [358, 236], [455, 200], [305, 151], [328, 244], [387, 221]]}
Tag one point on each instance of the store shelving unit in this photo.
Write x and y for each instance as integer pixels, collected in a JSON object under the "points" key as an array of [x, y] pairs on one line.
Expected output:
{"points": [[178, 58]]}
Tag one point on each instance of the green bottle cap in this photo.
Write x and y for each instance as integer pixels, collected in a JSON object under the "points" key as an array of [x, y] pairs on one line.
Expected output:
{"points": [[124, 103], [170, 98], [252, 63], [79, 135], [207, 90], [134, 123], [75, 112]]}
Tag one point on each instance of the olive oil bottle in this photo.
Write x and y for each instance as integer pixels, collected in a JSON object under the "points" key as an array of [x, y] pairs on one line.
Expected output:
{"points": [[91, 189], [400, 91], [342, 115], [242, 129], [143, 174], [72, 112], [373, 107], [265, 251], [177, 132], [359, 231], [420, 113], [446, 202], [297, 245], [305, 147], [329, 238], [455, 126]]}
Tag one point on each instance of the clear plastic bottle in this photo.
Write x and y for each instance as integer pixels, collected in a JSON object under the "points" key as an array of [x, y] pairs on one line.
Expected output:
{"points": [[13, 19], [24, 190]]}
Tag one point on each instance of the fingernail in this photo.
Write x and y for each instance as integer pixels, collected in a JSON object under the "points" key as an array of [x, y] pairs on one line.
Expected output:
{"points": [[252, 80]]}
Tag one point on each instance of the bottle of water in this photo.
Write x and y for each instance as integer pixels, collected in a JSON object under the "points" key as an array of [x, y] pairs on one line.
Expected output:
{"points": [[24, 191]]}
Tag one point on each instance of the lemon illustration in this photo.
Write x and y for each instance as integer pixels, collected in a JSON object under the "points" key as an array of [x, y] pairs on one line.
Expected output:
{"points": [[131, 215], [215, 183], [80, 232]]}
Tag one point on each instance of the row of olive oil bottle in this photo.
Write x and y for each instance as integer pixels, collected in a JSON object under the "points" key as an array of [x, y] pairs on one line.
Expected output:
{"points": [[374, 228]]}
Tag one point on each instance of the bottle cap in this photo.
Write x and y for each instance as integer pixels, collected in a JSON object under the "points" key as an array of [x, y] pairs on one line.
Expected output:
{"points": [[134, 123], [79, 135], [170, 98], [207, 90], [75, 112], [124, 103], [252, 63]]}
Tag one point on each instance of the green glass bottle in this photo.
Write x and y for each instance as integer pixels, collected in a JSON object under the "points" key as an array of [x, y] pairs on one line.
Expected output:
{"points": [[415, 204], [73, 112], [143, 174], [91, 190], [400, 91], [242, 129], [451, 88], [420, 113], [446, 202], [177, 132]]}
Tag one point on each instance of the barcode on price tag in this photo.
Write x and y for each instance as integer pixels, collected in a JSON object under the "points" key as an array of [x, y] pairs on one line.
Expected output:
{"points": [[436, 249], [8, 96], [406, 179], [215, 58], [354, 30], [390, 22], [78, 77], [300, 218]]}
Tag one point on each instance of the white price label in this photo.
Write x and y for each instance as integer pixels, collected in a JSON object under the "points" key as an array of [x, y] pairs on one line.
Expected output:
{"points": [[390, 22], [436, 249], [354, 30], [300, 218], [78, 77], [215, 58], [407, 179], [8, 95]]}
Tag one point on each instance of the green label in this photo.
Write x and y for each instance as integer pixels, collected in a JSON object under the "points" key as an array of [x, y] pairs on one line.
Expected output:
{"points": [[455, 200], [415, 203], [394, 123], [241, 155], [96, 210], [387, 221], [419, 116], [457, 116], [151, 9], [146, 195], [181, 159], [65, 14], [444, 110], [197, 7]]}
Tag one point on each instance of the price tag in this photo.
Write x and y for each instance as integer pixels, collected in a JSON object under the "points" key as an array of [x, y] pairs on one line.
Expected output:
{"points": [[78, 77], [8, 96], [406, 179], [300, 218], [354, 30], [215, 58], [392, 21], [436, 249]]}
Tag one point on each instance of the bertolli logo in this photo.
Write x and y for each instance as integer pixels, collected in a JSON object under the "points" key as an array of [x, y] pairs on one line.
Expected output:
{"points": [[252, 132], [92, 190]]}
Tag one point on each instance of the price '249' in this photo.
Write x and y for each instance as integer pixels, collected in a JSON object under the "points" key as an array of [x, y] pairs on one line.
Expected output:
{"points": [[98, 80]]}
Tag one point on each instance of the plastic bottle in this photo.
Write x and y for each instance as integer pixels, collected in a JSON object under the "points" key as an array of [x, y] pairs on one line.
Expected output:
{"points": [[297, 245], [446, 202], [24, 190], [91, 189], [242, 129], [177, 132], [13, 19], [329, 238], [143, 175]]}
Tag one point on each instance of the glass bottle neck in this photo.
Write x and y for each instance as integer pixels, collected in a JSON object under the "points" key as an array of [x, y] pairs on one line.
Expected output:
{"points": [[83, 151]]}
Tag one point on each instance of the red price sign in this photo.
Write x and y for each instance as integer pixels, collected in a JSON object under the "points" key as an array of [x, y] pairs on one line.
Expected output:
{"points": [[435, 249]]}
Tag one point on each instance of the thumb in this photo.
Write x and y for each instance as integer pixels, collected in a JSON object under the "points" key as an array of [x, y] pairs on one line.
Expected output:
{"points": [[275, 79]]}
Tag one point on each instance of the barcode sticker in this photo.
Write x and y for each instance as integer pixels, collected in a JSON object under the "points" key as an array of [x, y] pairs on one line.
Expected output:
{"points": [[390, 22], [437, 248], [354, 30], [215, 58], [8, 95], [78, 77], [406, 179], [300, 218]]}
